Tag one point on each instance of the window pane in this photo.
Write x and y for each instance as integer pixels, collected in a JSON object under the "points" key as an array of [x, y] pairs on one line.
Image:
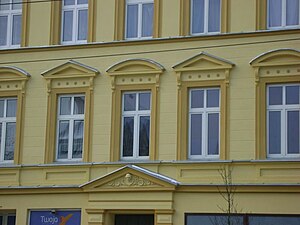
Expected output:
{"points": [[11, 220], [273, 220], [78, 105], [214, 15], [292, 95], [11, 108], [17, 4], [82, 24], [144, 136], [132, 21], [1, 218], [68, 26], [63, 140], [82, 1], [213, 220], [4, 5], [196, 134], [274, 132], [213, 134], [129, 102], [10, 141], [78, 139], [1, 136], [275, 95], [3, 28], [16, 32], [198, 16], [144, 101], [275, 13], [213, 98], [65, 106], [1, 108], [147, 21], [69, 2], [293, 132], [128, 136], [292, 12], [197, 99]]}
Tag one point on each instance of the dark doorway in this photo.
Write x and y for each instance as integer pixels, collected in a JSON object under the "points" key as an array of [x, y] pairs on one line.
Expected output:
{"points": [[136, 219]]}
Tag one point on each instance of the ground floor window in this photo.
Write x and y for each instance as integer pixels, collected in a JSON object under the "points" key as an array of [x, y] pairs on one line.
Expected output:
{"points": [[134, 219], [54, 217], [241, 219], [7, 219]]}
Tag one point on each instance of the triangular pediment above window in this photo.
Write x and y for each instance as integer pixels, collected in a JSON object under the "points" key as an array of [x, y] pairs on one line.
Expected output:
{"points": [[70, 69], [203, 61], [135, 66], [12, 73], [130, 178]]}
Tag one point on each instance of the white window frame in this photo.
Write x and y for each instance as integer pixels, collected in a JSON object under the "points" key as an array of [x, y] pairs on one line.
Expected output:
{"points": [[283, 18], [4, 120], [75, 9], [136, 128], [140, 17], [71, 118], [206, 11], [283, 108], [5, 217], [10, 13], [204, 111]]}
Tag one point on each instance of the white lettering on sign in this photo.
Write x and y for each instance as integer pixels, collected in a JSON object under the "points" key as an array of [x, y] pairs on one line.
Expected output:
{"points": [[49, 220]]}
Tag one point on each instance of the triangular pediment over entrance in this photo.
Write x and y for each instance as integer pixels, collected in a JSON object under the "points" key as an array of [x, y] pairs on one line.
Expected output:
{"points": [[131, 178]]}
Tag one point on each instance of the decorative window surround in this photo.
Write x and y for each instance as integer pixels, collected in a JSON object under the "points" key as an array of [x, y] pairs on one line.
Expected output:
{"points": [[280, 66], [201, 71], [134, 75], [69, 78], [13, 84], [120, 19]]}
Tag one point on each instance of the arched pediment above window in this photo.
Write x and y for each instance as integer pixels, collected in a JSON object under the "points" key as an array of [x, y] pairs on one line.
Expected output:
{"points": [[13, 73], [277, 63]]}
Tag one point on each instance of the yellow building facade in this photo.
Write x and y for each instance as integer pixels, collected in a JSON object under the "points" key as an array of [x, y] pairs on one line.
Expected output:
{"points": [[128, 112]]}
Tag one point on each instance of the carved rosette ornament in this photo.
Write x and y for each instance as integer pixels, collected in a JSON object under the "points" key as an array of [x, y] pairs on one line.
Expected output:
{"points": [[130, 180]]}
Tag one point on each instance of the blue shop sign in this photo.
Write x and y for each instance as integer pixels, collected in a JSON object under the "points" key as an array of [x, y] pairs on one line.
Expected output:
{"points": [[55, 217]]}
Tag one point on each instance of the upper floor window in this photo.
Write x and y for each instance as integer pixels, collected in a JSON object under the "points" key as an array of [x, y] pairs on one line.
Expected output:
{"points": [[8, 111], [283, 109], [136, 113], [204, 123], [70, 127], [74, 21], [139, 19], [205, 16], [10, 23], [283, 13]]}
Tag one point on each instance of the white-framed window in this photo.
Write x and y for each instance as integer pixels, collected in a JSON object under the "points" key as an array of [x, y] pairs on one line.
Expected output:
{"points": [[8, 111], [70, 127], [74, 21], [204, 123], [283, 109], [7, 219], [136, 111], [205, 16], [139, 19], [10, 23], [283, 14]]}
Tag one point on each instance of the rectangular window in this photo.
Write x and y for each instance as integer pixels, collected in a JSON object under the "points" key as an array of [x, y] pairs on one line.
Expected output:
{"points": [[136, 112], [70, 127], [139, 19], [8, 111], [7, 219], [283, 122], [74, 21], [10, 23], [283, 14], [204, 123], [205, 16]]}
